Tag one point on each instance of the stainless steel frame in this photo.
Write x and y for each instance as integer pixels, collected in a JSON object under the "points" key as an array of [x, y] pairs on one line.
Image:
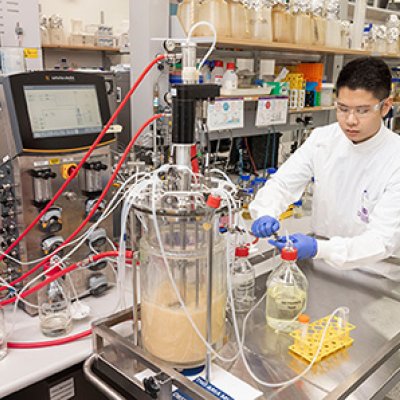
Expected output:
{"points": [[111, 347], [349, 374]]}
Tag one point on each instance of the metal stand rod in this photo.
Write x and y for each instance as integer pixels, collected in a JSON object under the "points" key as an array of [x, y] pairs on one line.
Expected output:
{"points": [[132, 227], [197, 265], [209, 300]]}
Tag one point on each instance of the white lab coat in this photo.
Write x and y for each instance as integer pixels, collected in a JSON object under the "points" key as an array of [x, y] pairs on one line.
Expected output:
{"points": [[356, 200]]}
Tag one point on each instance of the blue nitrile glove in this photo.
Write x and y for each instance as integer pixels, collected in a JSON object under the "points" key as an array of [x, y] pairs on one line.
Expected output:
{"points": [[306, 245], [265, 226]]}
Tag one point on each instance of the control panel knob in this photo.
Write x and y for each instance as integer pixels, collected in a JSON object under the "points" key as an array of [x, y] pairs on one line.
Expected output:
{"points": [[45, 174], [51, 222], [52, 243]]}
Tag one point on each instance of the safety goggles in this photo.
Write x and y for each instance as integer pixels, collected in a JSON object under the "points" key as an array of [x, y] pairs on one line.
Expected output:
{"points": [[359, 112]]}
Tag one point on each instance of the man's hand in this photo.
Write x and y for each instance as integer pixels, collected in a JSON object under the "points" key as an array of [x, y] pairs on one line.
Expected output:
{"points": [[306, 245], [265, 226]]}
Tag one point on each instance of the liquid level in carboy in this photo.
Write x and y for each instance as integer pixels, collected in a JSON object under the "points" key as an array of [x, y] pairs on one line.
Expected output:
{"points": [[284, 305]]}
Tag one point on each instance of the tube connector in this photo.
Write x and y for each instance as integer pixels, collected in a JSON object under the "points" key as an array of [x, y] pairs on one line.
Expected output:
{"points": [[213, 201]]}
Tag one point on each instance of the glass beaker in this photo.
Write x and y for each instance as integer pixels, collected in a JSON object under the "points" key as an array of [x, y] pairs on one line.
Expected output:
{"points": [[216, 12], [166, 331], [3, 335]]}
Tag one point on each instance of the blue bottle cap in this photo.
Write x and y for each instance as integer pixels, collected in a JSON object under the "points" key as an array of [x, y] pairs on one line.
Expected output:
{"points": [[271, 170], [249, 190], [245, 178], [260, 179], [298, 203]]}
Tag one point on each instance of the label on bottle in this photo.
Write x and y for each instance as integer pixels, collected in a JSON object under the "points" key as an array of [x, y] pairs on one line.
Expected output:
{"points": [[54, 307], [218, 79]]}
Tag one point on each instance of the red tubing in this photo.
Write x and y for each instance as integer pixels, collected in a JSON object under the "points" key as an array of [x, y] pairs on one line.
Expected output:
{"points": [[63, 272], [100, 199], [75, 172], [68, 339], [49, 343], [98, 202]]}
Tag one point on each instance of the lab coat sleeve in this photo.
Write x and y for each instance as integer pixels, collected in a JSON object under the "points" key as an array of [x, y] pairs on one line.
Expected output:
{"points": [[288, 184], [379, 241]]}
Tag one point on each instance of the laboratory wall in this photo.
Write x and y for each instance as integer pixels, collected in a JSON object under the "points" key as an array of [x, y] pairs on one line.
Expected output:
{"points": [[115, 12]]}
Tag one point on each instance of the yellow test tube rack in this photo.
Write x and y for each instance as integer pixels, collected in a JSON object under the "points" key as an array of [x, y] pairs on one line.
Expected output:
{"points": [[337, 337]]}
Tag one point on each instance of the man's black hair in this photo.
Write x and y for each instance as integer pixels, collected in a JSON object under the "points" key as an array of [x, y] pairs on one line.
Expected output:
{"points": [[368, 73]]}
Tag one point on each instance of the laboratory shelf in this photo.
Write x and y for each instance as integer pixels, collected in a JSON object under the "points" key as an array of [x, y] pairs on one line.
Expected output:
{"points": [[242, 44], [310, 109], [374, 13], [83, 48], [261, 45]]}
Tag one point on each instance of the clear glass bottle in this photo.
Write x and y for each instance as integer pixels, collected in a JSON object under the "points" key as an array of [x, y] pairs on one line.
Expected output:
{"points": [[380, 36], [56, 30], [367, 38], [346, 34], [393, 32], [298, 209], [240, 19], [261, 23], [333, 24], [3, 335], [282, 22], [248, 196], [318, 22], [287, 288], [302, 33], [243, 281], [44, 31], [54, 303], [244, 181], [308, 197]]}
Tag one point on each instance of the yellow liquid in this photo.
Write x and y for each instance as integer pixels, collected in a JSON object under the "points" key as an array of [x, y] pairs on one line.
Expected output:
{"points": [[168, 334], [284, 304]]}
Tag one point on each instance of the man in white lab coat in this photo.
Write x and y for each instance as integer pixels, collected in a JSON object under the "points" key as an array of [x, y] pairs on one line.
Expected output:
{"points": [[356, 168]]}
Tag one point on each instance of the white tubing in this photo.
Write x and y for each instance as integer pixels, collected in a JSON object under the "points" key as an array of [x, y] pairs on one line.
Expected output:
{"points": [[214, 42]]}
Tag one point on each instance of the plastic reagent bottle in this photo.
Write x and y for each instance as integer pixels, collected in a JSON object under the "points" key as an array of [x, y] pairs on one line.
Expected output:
{"points": [[230, 79], [287, 288], [217, 73]]}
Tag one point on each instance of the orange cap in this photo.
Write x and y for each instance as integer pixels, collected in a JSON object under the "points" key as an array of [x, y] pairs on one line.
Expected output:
{"points": [[304, 318]]}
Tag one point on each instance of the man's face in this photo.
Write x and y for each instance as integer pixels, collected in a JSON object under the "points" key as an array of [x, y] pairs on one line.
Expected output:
{"points": [[360, 113]]}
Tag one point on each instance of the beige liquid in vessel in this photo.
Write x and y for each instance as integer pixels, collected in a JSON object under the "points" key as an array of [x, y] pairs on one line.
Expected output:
{"points": [[168, 334], [284, 304]]}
